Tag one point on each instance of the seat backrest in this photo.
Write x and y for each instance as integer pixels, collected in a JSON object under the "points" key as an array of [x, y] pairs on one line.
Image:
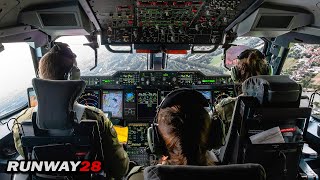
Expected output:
{"points": [[268, 101], [235, 171], [54, 133], [273, 91], [55, 102]]}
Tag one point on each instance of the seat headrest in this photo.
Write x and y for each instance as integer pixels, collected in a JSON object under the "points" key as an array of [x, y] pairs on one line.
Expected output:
{"points": [[55, 102], [234, 171], [276, 90]]}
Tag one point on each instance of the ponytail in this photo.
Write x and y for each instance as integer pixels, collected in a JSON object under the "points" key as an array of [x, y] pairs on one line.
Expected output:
{"points": [[185, 138]]}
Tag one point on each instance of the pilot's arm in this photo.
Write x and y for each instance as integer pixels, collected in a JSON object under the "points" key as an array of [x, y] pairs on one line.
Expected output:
{"points": [[116, 159], [224, 110], [24, 115]]}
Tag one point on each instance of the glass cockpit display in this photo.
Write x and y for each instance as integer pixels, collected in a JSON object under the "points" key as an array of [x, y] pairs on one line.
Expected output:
{"points": [[138, 134], [129, 97], [32, 98], [206, 94], [90, 98], [147, 104], [112, 102]]}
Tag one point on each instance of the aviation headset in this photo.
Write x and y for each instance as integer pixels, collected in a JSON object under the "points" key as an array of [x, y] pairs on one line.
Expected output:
{"points": [[235, 73], [184, 96], [74, 72]]}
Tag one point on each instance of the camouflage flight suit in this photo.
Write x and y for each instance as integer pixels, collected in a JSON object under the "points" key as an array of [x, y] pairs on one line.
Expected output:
{"points": [[116, 159], [224, 110]]}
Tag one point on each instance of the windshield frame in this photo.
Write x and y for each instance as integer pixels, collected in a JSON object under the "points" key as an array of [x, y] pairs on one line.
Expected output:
{"points": [[12, 112]]}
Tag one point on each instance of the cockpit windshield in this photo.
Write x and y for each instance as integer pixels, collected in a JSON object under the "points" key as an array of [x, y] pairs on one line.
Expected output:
{"points": [[109, 63]]}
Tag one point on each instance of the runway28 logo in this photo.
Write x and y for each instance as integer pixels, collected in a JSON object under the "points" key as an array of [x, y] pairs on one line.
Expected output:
{"points": [[53, 166]]}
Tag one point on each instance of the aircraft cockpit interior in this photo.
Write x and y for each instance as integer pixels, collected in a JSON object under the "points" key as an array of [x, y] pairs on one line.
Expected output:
{"points": [[133, 53], [128, 101]]}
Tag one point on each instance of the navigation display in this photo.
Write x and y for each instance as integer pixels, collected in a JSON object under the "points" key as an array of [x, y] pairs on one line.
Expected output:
{"points": [[206, 94], [137, 136], [129, 97], [90, 98], [32, 98], [112, 102], [147, 104]]}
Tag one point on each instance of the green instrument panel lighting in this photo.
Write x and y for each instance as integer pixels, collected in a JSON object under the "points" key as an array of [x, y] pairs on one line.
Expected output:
{"points": [[106, 81], [208, 80], [166, 74]]}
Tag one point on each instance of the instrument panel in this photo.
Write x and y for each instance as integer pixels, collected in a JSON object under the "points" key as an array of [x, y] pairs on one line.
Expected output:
{"points": [[157, 78], [133, 96]]}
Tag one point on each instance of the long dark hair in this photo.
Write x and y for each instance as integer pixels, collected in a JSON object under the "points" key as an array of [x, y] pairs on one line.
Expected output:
{"points": [[252, 64], [185, 133]]}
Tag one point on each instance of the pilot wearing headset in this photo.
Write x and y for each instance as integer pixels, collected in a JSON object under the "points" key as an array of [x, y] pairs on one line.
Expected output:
{"points": [[60, 64], [251, 62], [183, 131]]}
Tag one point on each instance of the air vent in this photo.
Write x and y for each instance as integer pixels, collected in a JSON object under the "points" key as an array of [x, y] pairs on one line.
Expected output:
{"points": [[59, 19]]}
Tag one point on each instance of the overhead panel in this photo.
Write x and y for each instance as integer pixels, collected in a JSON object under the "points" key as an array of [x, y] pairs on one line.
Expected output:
{"points": [[166, 22]]}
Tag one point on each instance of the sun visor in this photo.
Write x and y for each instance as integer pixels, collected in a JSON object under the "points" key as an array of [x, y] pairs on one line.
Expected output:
{"points": [[273, 20], [57, 19], [275, 91]]}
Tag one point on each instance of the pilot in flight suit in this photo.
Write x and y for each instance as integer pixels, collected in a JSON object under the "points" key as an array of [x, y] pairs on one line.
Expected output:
{"points": [[251, 63], [116, 159]]}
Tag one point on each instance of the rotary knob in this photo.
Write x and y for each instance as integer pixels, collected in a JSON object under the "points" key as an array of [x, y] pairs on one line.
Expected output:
{"points": [[174, 79]]}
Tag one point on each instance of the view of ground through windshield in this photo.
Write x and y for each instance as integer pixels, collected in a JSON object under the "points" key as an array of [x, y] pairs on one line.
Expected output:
{"points": [[302, 65], [109, 63]]}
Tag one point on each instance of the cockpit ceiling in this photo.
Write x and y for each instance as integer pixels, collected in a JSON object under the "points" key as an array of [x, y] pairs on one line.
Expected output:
{"points": [[312, 6], [10, 9], [150, 21], [167, 22]]}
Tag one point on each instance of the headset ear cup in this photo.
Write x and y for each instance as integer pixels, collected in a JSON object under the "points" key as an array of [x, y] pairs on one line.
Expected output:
{"points": [[157, 143], [74, 73], [234, 74], [150, 138], [270, 70]]}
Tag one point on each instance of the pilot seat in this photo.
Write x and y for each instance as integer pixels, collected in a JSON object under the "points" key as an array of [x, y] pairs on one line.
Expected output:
{"points": [[269, 106], [55, 132]]}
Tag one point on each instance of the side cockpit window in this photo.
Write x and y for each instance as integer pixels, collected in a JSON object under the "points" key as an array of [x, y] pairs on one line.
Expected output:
{"points": [[16, 72], [303, 66]]}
